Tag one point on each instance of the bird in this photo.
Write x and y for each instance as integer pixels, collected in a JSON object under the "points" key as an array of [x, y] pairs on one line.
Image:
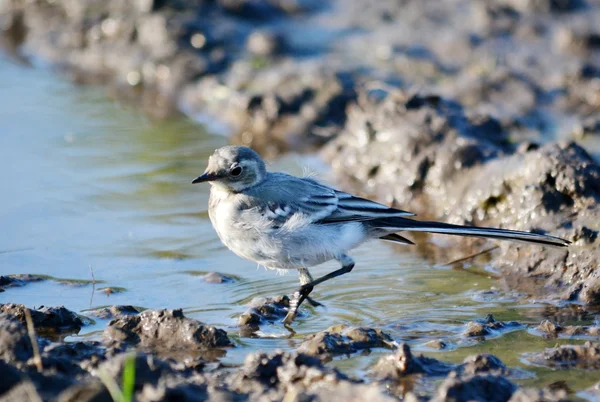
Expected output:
{"points": [[286, 222]]}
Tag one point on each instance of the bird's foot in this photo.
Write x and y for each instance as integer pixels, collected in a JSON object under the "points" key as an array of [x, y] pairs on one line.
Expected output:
{"points": [[314, 303], [297, 299]]}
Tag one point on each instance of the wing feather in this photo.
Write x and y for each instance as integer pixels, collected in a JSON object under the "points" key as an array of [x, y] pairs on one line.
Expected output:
{"points": [[284, 197]]}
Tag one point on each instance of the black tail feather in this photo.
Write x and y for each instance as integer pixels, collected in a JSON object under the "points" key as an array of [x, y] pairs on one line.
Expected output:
{"points": [[410, 225], [396, 238]]}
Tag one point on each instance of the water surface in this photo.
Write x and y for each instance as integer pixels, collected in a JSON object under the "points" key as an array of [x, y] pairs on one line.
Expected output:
{"points": [[90, 185]]}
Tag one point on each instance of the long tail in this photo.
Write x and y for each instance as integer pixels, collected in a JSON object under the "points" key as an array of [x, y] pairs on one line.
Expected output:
{"points": [[404, 224]]}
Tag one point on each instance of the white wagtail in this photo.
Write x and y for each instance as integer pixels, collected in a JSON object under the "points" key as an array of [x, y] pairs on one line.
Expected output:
{"points": [[286, 222]]}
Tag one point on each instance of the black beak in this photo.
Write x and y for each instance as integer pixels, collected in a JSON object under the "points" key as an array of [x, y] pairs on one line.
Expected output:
{"points": [[205, 177]]}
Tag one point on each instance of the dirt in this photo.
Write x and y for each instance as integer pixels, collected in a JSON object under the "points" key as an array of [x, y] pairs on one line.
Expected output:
{"points": [[444, 167], [551, 329], [114, 312], [585, 356], [402, 363], [263, 310], [55, 320], [7, 281], [489, 326], [78, 371], [344, 340], [166, 330]]}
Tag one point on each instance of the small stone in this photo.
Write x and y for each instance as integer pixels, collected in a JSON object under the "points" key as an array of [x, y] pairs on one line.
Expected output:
{"points": [[215, 277]]}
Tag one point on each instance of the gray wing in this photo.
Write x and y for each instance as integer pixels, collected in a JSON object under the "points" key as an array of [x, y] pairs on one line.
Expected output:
{"points": [[282, 196]]}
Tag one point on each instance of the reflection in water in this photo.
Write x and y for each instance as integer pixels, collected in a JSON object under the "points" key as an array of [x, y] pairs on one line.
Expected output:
{"points": [[90, 184]]}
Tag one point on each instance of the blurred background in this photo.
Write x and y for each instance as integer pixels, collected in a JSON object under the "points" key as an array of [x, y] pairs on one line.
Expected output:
{"points": [[108, 110]]}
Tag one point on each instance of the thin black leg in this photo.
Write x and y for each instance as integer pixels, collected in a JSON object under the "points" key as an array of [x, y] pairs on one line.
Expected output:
{"points": [[302, 294]]}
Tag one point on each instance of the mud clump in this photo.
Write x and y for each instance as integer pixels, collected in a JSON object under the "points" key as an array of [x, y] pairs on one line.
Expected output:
{"points": [[482, 363], [344, 340], [552, 329], [488, 326], [403, 363], [164, 330], [263, 310], [15, 345], [475, 388], [46, 319], [74, 358], [287, 376], [585, 356], [71, 371], [114, 312], [8, 281]]}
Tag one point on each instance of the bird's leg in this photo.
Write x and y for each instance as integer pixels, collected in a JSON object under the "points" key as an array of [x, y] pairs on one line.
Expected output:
{"points": [[302, 294], [347, 265], [305, 277], [298, 297]]}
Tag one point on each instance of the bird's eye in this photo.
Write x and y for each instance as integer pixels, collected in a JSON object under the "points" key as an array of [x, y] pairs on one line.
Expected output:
{"points": [[236, 171]]}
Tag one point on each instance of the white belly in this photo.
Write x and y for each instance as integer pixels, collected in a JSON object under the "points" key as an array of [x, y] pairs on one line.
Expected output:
{"points": [[301, 246]]}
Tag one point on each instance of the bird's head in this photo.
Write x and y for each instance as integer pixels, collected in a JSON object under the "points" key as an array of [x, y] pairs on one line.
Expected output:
{"points": [[233, 169]]}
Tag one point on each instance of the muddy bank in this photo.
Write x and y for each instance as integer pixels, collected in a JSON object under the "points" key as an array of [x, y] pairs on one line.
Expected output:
{"points": [[229, 59], [37, 368], [447, 165], [282, 73]]}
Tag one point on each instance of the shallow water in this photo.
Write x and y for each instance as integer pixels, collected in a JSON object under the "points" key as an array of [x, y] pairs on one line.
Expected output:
{"points": [[93, 189]]}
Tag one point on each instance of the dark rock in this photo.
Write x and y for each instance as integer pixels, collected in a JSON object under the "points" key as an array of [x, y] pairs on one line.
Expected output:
{"points": [[46, 320], [403, 363], [165, 330], [489, 388], [585, 356], [111, 312], [342, 339], [15, 345]]}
